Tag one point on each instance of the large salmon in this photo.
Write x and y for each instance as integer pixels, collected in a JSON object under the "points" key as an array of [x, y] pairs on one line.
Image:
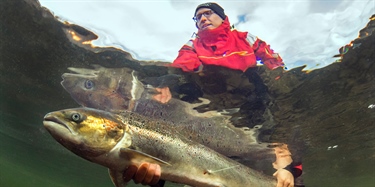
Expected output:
{"points": [[117, 140]]}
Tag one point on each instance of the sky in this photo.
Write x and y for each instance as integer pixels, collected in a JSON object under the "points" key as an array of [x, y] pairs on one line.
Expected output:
{"points": [[303, 32]]}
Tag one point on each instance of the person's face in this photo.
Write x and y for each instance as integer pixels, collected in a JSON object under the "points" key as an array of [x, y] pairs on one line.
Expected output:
{"points": [[207, 19]]}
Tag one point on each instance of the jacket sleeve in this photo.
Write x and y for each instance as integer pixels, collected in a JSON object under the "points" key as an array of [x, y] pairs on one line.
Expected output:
{"points": [[264, 53], [187, 59]]}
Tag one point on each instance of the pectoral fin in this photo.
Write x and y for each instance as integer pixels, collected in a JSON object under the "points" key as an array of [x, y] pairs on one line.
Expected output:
{"points": [[117, 178], [140, 156]]}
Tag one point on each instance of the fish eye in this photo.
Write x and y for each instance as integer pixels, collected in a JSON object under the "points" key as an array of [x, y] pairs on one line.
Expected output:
{"points": [[76, 117], [89, 84]]}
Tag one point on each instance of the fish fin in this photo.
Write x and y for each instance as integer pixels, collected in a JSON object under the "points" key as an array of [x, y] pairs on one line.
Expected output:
{"points": [[140, 156], [117, 178], [137, 87]]}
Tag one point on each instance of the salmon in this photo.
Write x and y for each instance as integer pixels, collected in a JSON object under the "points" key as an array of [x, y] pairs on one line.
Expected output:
{"points": [[118, 140]]}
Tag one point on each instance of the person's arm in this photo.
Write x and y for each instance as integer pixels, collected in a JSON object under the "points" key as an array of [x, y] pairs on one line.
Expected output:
{"points": [[187, 59], [264, 53]]}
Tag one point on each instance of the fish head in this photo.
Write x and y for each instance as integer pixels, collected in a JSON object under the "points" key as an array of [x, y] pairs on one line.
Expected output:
{"points": [[100, 88], [86, 132]]}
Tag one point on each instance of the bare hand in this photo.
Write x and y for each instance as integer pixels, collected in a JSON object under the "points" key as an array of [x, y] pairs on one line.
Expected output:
{"points": [[283, 156], [284, 178], [164, 96], [146, 173]]}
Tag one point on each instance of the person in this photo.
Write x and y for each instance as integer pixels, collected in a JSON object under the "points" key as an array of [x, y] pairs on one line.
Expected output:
{"points": [[217, 43]]}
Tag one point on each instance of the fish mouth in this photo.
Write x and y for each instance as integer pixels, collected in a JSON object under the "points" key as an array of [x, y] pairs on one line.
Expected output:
{"points": [[58, 128], [82, 72], [52, 122], [68, 75]]}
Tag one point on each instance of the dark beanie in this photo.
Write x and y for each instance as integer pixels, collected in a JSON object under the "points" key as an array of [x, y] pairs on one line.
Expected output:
{"points": [[213, 6]]}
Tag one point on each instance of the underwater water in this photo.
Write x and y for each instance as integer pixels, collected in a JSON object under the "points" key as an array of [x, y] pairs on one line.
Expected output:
{"points": [[327, 116]]}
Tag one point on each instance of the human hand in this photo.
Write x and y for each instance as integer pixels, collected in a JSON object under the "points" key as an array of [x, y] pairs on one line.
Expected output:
{"points": [[146, 173], [164, 95], [283, 156], [284, 178]]}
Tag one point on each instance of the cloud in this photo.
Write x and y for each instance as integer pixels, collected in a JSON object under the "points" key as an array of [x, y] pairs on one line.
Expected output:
{"points": [[308, 31]]}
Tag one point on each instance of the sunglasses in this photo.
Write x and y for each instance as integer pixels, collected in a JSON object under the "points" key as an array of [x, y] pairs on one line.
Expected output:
{"points": [[206, 14]]}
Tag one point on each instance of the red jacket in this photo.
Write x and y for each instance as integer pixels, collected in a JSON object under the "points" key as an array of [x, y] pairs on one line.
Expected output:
{"points": [[225, 47]]}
